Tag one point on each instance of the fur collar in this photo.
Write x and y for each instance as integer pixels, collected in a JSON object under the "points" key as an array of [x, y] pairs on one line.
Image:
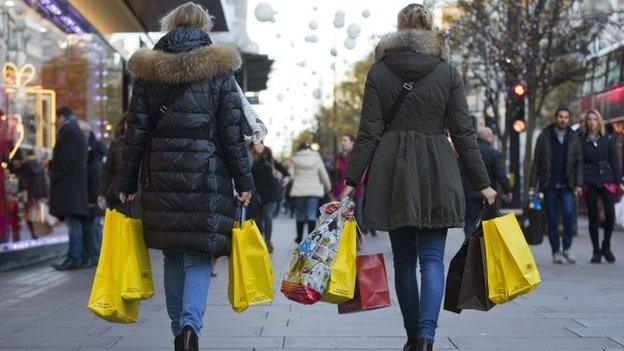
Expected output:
{"points": [[428, 42], [163, 67]]}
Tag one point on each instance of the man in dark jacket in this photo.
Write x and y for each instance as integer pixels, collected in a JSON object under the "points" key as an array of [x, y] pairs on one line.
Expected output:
{"points": [[497, 173], [68, 183], [558, 172]]}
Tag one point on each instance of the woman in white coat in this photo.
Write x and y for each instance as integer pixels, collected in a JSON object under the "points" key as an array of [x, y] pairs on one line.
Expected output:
{"points": [[310, 182]]}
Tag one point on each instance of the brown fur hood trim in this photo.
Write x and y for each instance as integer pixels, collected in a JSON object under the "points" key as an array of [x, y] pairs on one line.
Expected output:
{"points": [[206, 62], [428, 42]]}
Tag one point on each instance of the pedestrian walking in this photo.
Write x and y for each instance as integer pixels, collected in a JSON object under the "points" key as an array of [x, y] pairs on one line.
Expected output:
{"points": [[68, 184], [310, 183], [92, 224], [495, 167], [557, 172], [108, 190], [185, 132], [32, 181], [268, 187], [602, 175], [411, 97]]}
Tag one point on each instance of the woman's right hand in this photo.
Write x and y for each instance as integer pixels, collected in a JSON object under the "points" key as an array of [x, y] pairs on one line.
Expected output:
{"points": [[126, 198], [489, 195]]}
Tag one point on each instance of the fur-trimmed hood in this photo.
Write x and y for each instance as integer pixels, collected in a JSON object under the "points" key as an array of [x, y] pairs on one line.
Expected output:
{"points": [[172, 61], [427, 42]]}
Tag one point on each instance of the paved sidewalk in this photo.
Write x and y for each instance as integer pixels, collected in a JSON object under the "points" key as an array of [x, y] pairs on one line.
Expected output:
{"points": [[579, 307]]}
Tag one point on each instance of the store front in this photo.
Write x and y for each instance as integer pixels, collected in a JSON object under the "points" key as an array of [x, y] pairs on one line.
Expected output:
{"points": [[50, 57]]}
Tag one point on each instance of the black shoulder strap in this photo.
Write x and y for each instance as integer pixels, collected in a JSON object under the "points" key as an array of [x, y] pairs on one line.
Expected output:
{"points": [[406, 89], [174, 95]]}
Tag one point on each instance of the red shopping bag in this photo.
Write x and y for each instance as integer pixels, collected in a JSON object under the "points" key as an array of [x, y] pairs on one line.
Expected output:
{"points": [[371, 291]]}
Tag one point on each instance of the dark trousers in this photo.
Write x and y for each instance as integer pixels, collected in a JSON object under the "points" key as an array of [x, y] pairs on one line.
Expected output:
{"points": [[264, 219], [560, 199], [473, 209], [591, 200]]}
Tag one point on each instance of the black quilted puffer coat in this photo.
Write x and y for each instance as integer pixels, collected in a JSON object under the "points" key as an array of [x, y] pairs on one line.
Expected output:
{"points": [[189, 203]]}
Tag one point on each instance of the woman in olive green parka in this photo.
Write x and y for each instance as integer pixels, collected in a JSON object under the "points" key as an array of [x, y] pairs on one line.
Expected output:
{"points": [[414, 188]]}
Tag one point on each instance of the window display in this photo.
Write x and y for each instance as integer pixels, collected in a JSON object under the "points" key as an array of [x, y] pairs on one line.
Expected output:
{"points": [[50, 57]]}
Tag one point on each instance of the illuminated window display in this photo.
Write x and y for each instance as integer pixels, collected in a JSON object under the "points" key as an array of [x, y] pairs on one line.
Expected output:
{"points": [[50, 57]]}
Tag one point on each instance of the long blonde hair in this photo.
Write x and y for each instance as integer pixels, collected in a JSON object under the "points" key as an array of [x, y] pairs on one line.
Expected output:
{"points": [[601, 126], [189, 15]]}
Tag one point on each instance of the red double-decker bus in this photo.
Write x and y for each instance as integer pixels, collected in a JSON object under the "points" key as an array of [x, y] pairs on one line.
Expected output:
{"points": [[603, 88]]}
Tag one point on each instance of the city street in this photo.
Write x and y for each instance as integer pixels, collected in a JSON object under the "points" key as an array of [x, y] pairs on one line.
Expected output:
{"points": [[577, 307]]}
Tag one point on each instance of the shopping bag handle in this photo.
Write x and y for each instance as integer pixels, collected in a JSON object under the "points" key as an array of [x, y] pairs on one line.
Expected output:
{"points": [[487, 212], [242, 216], [361, 239]]}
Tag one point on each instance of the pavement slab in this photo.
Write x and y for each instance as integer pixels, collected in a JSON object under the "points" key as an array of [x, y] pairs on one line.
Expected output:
{"points": [[577, 307]]}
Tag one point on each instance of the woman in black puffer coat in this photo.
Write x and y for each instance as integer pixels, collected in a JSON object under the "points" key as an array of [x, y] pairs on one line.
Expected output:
{"points": [[602, 175], [193, 153]]}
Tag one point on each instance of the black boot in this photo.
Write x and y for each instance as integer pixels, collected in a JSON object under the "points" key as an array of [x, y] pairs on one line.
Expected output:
{"points": [[424, 345], [411, 344], [177, 343], [300, 226], [606, 252], [190, 341], [596, 257], [311, 226]]}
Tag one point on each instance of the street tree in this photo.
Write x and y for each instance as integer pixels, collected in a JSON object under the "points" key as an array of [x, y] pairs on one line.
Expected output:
{"points": [[542, 44]]}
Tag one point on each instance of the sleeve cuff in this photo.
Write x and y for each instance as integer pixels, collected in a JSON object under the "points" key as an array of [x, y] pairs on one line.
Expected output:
{"points": [[244, 183], [350, 182]]}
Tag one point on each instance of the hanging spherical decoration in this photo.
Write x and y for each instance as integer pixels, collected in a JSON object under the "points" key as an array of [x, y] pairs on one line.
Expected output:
{"points": [[354, 30], [333, 52], [317, 93], [366, 13], [311, 39], [313, 25], [349, 43], [339, 19], [280, 97], [264, 13], [301, 64]]}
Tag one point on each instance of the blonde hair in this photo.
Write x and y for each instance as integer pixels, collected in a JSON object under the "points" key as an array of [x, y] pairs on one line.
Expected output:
{"points": [[601, 126], [189, 15], [415, 16]]}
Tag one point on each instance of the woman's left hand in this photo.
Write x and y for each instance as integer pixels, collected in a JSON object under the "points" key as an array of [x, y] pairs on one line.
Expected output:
{"points": [[348, 191], [244, 198]]}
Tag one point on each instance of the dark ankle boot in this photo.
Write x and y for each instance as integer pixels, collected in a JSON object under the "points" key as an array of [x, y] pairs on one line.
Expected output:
{"points": [[596, 257], [190, 340], [300, 226], [606, 252], [177, 343], [411, 344], [424, 345], [311, 226]]}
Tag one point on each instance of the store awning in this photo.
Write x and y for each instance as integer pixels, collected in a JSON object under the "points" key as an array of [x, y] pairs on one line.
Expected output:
{"points": [[125, 16]]}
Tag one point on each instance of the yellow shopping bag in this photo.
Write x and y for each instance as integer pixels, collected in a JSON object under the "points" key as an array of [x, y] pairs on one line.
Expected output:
{"points": [[511, 268], [136, 283], [341, 286], [250, 268], [105, 300]]}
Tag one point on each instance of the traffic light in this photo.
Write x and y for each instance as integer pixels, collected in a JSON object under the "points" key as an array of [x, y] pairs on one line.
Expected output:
{"points": [[518, 123]]}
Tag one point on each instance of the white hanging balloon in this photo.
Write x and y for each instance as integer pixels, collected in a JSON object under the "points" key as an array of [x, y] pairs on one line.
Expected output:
{"points": [[278, 35], [264, 13], [280, 97], [349, 43], [333, 66], [301, 64], [317, 93], [340, 13], [354, 30], [339, 22], [333, 52], [311, 39], [366, 13], [313, 25]]}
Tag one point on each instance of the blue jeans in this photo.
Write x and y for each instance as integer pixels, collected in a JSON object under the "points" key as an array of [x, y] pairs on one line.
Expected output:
{"points": [[187, 278], [92, 232], [306, 208], [420, 313], [75, 232], [564, 197]]}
